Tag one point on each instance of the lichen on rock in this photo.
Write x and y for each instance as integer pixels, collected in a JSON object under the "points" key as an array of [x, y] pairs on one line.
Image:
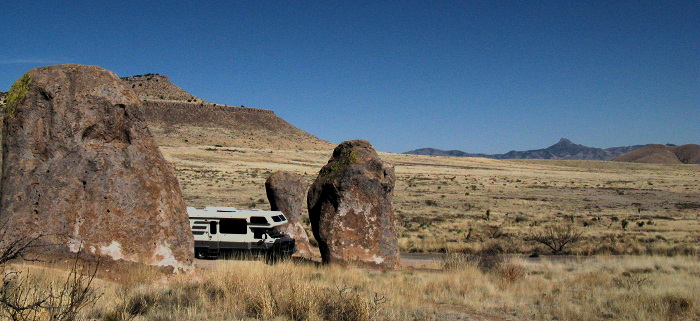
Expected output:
{"points": [[16, 94]]}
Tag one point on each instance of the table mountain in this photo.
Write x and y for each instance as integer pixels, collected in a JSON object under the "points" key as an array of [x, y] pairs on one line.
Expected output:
{"points": [[178, 118]]}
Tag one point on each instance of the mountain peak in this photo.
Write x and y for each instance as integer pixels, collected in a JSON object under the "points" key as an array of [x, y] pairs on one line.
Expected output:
{"points": [[565, 141]]}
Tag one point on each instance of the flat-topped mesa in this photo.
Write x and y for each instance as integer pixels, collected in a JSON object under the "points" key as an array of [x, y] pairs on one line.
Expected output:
{"points": [[178, 118], [81, 169]]}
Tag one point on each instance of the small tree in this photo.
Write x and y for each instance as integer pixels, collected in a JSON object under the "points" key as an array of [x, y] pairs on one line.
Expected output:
{"points": [[23, 297], [557, 237]]}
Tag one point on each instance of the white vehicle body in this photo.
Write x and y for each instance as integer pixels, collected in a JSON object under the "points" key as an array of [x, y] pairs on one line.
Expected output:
{"points": [[220, 229]]}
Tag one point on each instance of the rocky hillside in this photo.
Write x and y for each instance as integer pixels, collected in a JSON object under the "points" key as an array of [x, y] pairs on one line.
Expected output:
{"points": [[662, 154], [178, 118], [564, 149], [155, 87]]}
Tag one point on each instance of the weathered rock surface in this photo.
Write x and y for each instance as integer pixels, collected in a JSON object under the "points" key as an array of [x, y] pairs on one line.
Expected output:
{"points": [[286, 192], [81, 167], [351, 208]]}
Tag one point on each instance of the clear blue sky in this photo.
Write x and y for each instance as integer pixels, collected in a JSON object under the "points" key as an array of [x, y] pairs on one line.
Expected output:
{"points": [[479, 76]]}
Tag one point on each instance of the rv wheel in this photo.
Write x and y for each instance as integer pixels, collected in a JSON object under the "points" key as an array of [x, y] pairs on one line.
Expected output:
{"points": [[201, 254]]}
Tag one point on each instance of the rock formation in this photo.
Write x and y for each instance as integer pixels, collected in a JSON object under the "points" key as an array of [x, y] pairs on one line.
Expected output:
{"points": [[286, 192], [351, 208], [82, 169]]}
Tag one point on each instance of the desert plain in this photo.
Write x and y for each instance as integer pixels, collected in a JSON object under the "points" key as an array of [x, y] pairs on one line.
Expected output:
{"points": [[456, 204], [475, 224]]}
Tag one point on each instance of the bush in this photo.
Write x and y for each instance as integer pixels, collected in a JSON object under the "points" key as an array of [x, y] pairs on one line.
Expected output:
{"points": [[511, 272], [24, 296], [557, 237]]}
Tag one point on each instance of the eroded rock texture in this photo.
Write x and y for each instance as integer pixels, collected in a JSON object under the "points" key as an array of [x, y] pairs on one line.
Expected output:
{"points": [[81, 168], [286, 192], [351, 208]]}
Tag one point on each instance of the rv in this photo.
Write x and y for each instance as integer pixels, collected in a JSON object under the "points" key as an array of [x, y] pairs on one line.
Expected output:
{"points": [[218, 230]]}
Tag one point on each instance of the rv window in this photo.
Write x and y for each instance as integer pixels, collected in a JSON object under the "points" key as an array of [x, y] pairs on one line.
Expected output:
{"points": [[233, 226], [199, 227], [276, 218], [212, 227], [283, 217], [197, 232], [258, 220], [258, 233]]}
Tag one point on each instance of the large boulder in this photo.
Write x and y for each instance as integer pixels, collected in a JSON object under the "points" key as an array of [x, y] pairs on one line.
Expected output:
{"points": [[286, 192], [81, 169], [351, 208]]}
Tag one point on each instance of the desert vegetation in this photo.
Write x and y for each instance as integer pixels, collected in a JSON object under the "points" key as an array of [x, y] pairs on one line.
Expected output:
{"points": [[463, 205], [457, 287]]}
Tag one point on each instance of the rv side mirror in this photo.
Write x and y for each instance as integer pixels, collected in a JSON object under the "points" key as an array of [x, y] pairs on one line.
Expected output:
{"points": [[264, 236]]}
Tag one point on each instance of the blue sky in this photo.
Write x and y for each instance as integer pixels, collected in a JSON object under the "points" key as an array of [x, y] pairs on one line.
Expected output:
{"points": [[479, 76]]}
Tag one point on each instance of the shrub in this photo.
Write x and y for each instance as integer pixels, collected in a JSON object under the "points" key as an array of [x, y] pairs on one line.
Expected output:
{"points": [[557, 237], [491, 258], [343, 304], [511, 272]]}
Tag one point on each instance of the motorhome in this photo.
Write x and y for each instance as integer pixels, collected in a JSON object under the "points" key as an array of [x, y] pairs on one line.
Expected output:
{"points": [[218, 230]]}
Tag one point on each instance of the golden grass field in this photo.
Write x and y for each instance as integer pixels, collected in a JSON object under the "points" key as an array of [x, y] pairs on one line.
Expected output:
{"points": [[599, 288], [442, 202]]}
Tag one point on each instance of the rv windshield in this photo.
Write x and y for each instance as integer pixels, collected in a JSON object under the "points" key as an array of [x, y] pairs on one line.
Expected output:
{"points": [[273, 232]]}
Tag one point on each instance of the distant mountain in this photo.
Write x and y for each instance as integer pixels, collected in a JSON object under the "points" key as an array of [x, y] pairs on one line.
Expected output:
{"points": [[439, 152], [564, 149], [662, 154]]}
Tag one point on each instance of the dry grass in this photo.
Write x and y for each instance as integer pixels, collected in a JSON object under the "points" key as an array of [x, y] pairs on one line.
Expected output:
{"points": [[442, 202], [610, 288]]}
